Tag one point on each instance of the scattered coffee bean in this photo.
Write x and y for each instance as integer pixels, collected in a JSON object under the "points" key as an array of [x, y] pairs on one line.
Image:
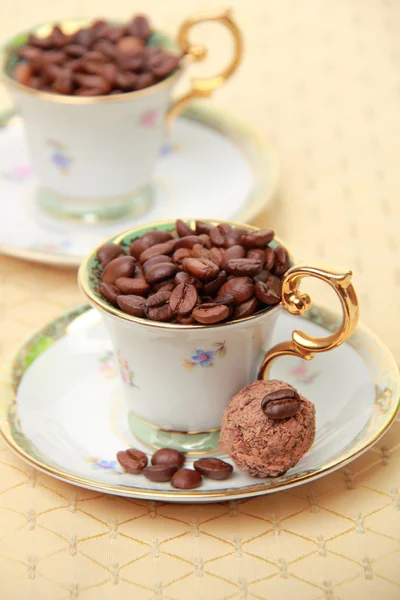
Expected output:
{"points": [[159, 473], [190, 280], [112, 59], [281, 404], [108, 252], [213, 468], [132, 460], [168, 457], [186, 479]]}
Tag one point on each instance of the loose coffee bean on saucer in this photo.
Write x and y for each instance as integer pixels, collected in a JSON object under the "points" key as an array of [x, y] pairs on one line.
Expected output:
{"points": [[213, 468], [186, 479], [159, 473], [168, 457], [132, 460], [202, 275]]}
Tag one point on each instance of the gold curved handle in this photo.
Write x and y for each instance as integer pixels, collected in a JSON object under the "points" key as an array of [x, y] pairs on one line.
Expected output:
{"points": [[302, 344], [204, 88]]}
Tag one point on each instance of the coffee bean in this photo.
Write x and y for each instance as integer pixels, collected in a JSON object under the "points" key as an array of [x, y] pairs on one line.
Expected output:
{"points": [[163, 248], [185, 319], [63, 84], [233, 252], [217, 255], [123, 266], [144, 80], [139, 28], [268, 292], [269, 258], [75, 50], [258, 239], [219, 235], [209, 314], [132, 460], [106, 47], [213, 468], [188, 242], [165, 65], [156, 260], [202, 227], [126, 81], [257, 254], [243, 266], [148, 239], [281, 261], [161, 271], [281, 404], [133, 305], [157, 307], [29, 52], [110, 292], [135, 287], [128, 44], [241, 288], [159, 473], [205, 240], [186, 479], [262, 276], [138, 272], [181, 254], [182, 229], [107, 252], [114, 33], [162, 286], [182, 277], [211, 287], [168, 457], [201, 268], [199, 251], [22, 73], [245, 309], [183, 299]]}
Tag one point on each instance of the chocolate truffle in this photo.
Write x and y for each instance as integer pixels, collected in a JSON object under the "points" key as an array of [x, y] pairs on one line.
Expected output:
{"points": [[260, 445]]}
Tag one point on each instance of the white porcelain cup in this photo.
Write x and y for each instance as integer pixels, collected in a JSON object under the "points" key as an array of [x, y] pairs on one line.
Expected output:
{"points": [[94, 156], [178, 379]]}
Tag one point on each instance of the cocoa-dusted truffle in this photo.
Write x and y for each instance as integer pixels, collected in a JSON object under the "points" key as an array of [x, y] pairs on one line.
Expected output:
{"points": [[267, 428]]}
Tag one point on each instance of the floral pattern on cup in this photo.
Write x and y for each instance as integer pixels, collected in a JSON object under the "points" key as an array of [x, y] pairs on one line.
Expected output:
{"points": [[149, 119], [169, 148], [17, 173], [108, 368], [302, 373], [205, 358], [54, 247], [60, 157]]}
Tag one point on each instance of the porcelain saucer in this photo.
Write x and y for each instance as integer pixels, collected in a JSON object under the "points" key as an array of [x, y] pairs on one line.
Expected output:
{"points": [[210, 164], [62, 410]]}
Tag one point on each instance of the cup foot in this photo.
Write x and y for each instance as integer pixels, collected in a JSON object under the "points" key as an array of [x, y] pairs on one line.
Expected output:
{"points": [[192, 443], [90, 212]]}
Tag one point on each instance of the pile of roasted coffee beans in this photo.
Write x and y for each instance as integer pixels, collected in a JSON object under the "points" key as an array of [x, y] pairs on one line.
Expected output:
{"points": [[98, 60], [167, 465], [207, 276]]}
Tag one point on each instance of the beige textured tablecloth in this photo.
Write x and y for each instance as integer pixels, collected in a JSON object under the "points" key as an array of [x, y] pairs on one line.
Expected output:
{"points": [[321, 79]]}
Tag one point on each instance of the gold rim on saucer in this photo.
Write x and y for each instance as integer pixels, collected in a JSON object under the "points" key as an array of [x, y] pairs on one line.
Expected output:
{"points": [[382, 365]]}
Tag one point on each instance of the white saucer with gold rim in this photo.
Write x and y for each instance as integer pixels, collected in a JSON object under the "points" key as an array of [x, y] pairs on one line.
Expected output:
{"points": [[210, 164], [62, 410]]}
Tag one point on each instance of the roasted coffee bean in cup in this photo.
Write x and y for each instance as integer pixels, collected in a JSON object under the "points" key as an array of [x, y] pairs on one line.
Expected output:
{"points": [[97, 60], [205, 275]]}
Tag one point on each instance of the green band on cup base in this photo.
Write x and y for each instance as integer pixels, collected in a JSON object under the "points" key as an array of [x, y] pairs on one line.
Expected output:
{"points": [[89, 212], [197, 443]]}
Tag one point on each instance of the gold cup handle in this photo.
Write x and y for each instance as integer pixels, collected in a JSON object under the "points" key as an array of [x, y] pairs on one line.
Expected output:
{"points": [[204, 88], [296, 303]]}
